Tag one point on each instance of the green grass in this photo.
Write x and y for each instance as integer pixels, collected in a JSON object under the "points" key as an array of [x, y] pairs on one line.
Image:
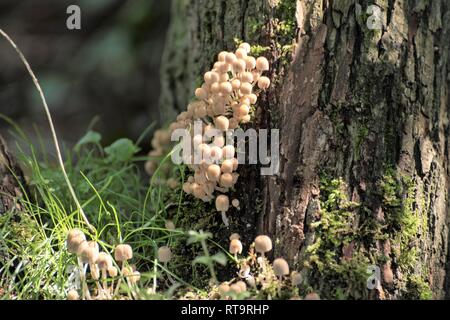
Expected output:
{"points": [[120, 200]]}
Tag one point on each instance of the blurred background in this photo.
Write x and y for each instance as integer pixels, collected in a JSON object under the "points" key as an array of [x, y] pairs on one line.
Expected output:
{"points": [[104, 76]]}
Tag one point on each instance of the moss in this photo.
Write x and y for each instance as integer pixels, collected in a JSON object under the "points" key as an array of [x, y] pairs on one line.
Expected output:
{"points": [[338, 277], [405, 224]]}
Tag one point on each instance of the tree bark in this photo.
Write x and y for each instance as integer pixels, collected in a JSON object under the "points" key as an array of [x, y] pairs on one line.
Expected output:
{"points": [[363, 119], [10, 176]]}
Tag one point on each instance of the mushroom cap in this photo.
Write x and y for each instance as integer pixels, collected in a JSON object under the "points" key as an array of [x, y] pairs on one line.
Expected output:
{"points": [[224, 288], [73, 295], [226, 180], [246, 88], [123, 252], [74, 239], [296, 278], [280, 267], [222, 203], [262, 64], [227, 166], [235, 236], [312, 296], [213, 172], [236, 288], [235, 246], [164, 254], [112, 271], [222, 123], [242, 285], [263, 83], [235, 203], [263, 244], [135, 277], [104, 260], [89, 252], [245, 46], [169, 225]]}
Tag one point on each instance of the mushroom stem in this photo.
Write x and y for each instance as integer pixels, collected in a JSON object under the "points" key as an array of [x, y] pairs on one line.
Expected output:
{"points": [[116, 292], [100, 290], [168, 274], [104, 284], [85, 294], [225, 219]]}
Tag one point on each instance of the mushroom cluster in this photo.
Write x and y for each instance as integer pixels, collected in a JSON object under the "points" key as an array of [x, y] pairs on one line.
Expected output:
{"points": [[223, 102], [101, 266]]}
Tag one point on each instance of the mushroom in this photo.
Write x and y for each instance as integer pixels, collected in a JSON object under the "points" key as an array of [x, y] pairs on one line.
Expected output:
{"points": [[312, 296], [262, 64], [263, 83], [235, 247], [74, 239], [235, 203], [104, 262], [234, 236], [280, 267], [224, 288], [263, 244], [164, 255], [245, 46], [123, 252], [296, 278], [73, 295], [170, 225], [222, 205]]}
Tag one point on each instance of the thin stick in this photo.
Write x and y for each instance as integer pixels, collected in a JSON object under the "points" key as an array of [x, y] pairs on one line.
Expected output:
{"points": [[52, 128]]}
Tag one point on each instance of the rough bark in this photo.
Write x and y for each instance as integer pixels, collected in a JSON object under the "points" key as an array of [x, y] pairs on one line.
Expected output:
{"points": [[363, 116], [10, 175]]}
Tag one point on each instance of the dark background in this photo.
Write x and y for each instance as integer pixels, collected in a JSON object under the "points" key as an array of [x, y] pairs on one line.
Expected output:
{"points": [[106, 74]]}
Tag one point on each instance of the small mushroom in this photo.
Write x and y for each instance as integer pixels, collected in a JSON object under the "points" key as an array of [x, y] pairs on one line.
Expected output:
{"points": [[312, 296], [263, 244], [234, 236], [296, 278], [123, 252], [164, 254], [170, 225], [280, 267], [262, 64], [235, 247], [75, 238], [222, 205], [235, 203], [224, 288], [73, 295]]}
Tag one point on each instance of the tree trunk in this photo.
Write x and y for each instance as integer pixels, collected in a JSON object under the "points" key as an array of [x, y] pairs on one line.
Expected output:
{"points": [[363, 116], [10, 175]]}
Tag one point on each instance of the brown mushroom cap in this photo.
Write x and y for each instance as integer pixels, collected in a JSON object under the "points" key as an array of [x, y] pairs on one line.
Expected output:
{"points": [[224, 288], [73, 295], [263, 244], [222, 203], [104, 261], [169, 225], [312, 296], [74, 239], [123, 252], [235, 246], [164, 254], [112, 271], [89, 252], [280, 267], [235, 236], [296, 278]]}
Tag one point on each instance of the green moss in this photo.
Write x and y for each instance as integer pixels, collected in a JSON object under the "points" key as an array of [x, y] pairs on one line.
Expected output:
{"points": [[339, 277], [405, 224]]}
